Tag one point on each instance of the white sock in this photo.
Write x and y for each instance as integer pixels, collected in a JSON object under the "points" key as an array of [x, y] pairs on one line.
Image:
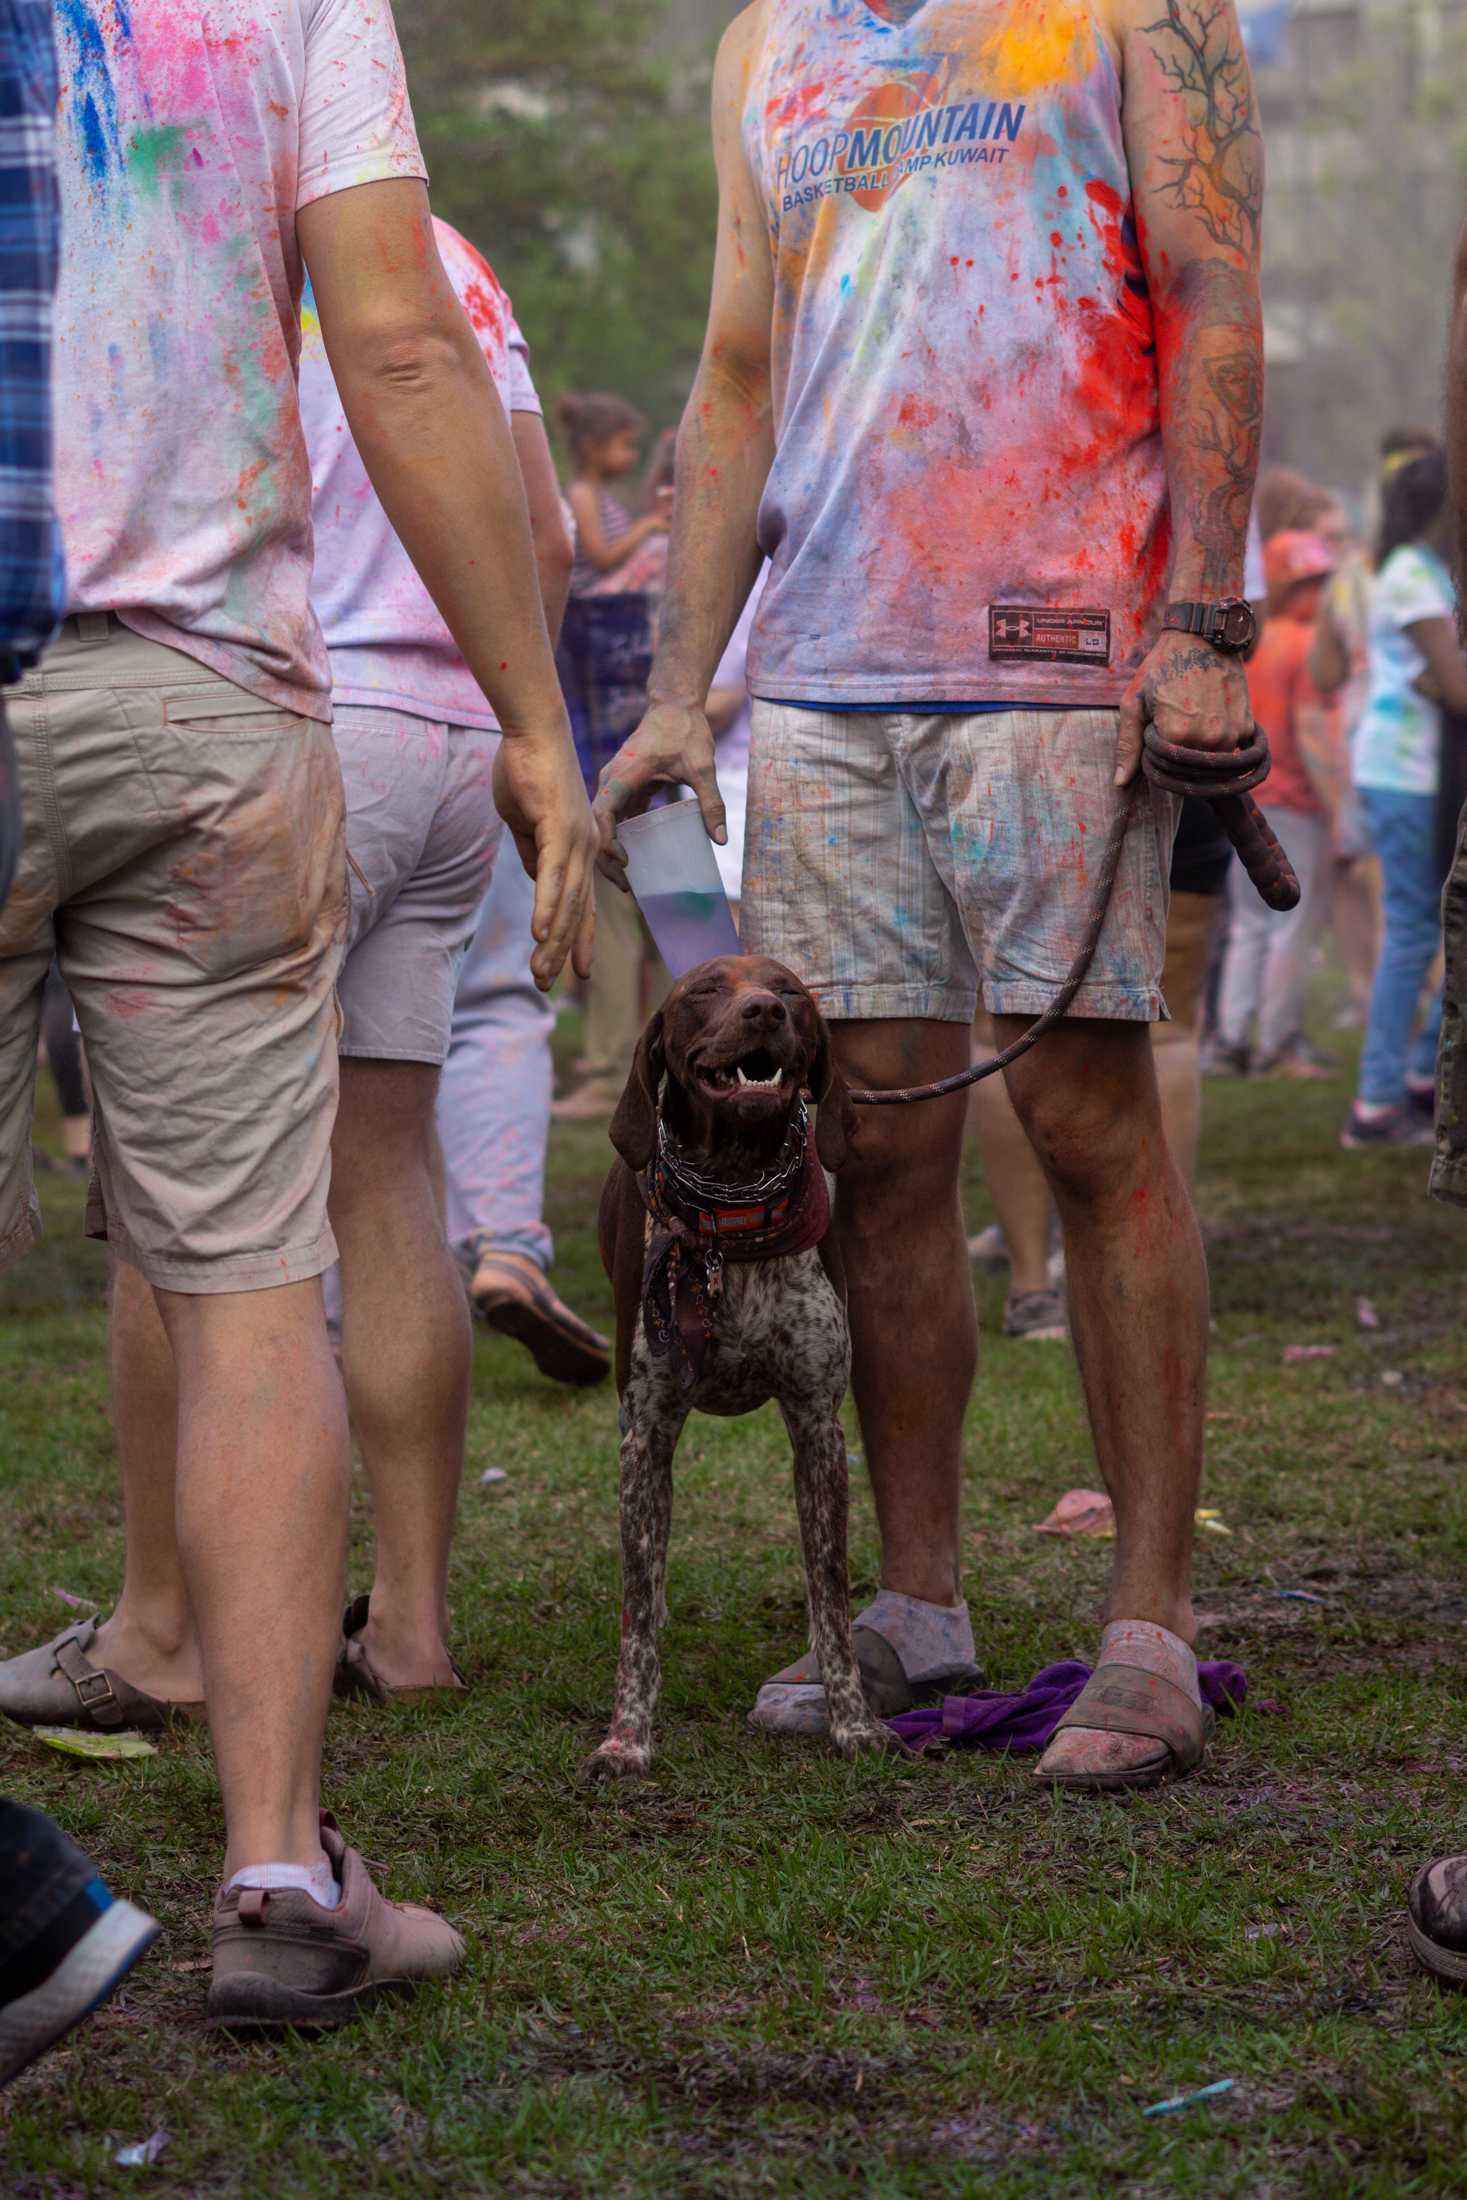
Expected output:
{"points": [[319, 1881], [1142, 1642]]}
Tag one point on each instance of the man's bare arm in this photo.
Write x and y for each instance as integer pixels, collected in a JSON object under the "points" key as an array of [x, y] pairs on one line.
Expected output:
{"points": [[1457, 409], [433, 435], [1196, 161], [554, 554], [725, 450]]}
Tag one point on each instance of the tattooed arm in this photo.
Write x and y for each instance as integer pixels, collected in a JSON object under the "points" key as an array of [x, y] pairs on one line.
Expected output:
{"points": [[724, 453], [1196, 161]]}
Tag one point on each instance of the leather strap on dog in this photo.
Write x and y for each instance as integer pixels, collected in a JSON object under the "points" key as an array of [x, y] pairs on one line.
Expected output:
{"points": [[692, 1236]]}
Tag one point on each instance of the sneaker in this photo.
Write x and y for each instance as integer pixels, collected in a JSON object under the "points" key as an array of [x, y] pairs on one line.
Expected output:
{"points": [[65, 1941], [1298, 1061], [280, 1959], [1036, 1317], [1402, 1127]]}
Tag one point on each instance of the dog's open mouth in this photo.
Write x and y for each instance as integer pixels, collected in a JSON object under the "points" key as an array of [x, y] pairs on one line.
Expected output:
{"points": [[758, 1071]]}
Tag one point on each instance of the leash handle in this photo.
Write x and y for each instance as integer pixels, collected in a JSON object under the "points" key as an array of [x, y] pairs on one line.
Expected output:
{"points": [[1226, 779]]}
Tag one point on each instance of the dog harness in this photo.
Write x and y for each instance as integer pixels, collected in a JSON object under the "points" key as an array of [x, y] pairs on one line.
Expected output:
{"points": [[699, 1222]]}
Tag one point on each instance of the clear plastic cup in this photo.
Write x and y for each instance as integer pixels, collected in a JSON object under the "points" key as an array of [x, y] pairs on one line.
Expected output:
{"points": [[673, 872]]}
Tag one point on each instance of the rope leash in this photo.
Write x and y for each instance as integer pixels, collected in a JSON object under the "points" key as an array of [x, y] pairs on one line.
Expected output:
{"points": [[1227, 782]]}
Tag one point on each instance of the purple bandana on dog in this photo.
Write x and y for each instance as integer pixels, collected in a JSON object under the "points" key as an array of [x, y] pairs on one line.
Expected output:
{"points": [[993, 1719]]}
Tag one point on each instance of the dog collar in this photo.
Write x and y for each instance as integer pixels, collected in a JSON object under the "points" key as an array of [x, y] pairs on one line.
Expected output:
{"points": [[716, 1208]]}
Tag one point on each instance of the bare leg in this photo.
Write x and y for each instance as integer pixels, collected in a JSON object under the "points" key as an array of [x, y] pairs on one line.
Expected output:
{"points": [[914, 1331], [263, 1475], [150, 1638], [1139, 1307], [822, 1499], [646, 1524], [1014, 1178], [406, 1350]]}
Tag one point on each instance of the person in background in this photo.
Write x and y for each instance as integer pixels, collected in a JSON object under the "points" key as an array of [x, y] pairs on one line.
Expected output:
{"points": [[1339, 666], [200, 932], [1437, 1905], [1416, 667], [1266, 966], [65, 1941], [645, 571], [495, 1094], [604, 437]]}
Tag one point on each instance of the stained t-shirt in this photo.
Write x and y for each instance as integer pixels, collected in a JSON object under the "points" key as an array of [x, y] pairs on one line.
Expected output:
{"points": [[388, 645], [968, 499], [1397, 743], [190, 134]]}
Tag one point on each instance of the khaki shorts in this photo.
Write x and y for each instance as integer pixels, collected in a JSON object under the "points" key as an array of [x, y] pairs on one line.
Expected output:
{"points": [[1191, 930], [422, 831], [898, 863], [184, 856]]}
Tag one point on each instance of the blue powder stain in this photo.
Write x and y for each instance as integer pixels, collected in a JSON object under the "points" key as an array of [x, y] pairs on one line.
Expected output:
{"points": [[845, 286], [93, 92]]}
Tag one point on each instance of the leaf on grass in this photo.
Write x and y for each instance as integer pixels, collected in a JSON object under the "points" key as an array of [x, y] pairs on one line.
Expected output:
{"points": [[75, 1741], [78, 1604], [1293, 1353], [1080, 1512]]}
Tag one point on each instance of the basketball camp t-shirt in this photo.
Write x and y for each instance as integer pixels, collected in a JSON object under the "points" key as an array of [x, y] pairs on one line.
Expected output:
{"points": [[389, 648], [190, 134], [968, 500]]}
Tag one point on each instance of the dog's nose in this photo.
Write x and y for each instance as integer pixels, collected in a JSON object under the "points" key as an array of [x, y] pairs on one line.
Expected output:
{"points": [[763, 1012]]}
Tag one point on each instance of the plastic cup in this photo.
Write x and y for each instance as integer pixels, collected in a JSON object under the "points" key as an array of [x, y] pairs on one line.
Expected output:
{"points": [[673, 873]]}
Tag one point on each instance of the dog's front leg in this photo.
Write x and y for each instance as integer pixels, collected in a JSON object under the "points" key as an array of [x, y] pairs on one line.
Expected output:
{"points": [[822, 1498], [646, 1523]]}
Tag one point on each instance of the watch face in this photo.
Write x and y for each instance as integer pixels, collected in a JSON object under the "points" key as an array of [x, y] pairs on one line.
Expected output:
{"points": [[1238, 625]]}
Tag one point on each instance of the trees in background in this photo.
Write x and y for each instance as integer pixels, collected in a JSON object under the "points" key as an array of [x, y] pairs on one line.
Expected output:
{"points": [[569, 140]]}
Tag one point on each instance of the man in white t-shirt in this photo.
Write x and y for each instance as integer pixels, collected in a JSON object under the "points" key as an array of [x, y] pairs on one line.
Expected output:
{"points": [[186, 859]]}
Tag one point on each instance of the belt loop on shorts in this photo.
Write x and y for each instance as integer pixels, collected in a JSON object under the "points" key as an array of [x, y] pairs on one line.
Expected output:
{"points": [[92, 627]]}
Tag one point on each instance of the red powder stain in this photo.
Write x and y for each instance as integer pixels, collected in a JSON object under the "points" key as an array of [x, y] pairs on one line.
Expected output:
{"points": [[1064, 191], [485, 307], [967, 263], [1055, 237], [916, 412], [249, 475], [796, 106], [504, 664]]}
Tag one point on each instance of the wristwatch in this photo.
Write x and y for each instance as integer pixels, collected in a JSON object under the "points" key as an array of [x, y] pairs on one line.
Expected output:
{"points": [[1229, 626]]}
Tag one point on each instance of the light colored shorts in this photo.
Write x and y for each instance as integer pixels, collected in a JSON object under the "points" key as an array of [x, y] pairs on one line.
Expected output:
{"points": [[421, 836], [184, 857], [897, 864]]}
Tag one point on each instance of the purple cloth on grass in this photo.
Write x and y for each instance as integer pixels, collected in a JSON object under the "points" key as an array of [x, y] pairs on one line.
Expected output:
{"points": [[991, 1719]]}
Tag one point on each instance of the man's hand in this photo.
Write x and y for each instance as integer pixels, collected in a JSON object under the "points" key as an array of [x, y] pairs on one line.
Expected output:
{"points": [[1192, 693], [538, 793], [673, 746]]}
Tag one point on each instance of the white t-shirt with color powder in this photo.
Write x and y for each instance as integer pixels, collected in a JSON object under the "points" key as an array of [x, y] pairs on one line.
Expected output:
{"points": [[190, 134], [389, 647], [1397, 742]]}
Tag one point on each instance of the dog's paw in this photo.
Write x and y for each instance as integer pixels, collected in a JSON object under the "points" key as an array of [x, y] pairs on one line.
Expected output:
{"points": [[867, 1736], [616, 1760]]}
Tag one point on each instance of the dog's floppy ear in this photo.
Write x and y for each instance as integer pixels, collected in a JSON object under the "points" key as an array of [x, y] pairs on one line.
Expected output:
{"points": [[634, 1125], [835, 1124]]}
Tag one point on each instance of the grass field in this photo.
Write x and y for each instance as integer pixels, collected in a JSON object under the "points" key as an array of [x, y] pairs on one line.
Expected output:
{"points": [[764, 1971]]}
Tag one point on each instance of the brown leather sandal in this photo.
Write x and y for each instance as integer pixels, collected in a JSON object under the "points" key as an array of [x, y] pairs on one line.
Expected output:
{"points": [[1129, 1699], [511, 1294], [357, 1676], [58, 1685]]}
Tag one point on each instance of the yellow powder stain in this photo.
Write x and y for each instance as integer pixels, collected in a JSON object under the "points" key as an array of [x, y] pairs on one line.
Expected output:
{"points": [[1038, 45]]}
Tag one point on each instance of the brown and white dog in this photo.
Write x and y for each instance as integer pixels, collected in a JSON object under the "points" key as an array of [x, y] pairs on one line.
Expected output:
{"points": [[728, 1293]]}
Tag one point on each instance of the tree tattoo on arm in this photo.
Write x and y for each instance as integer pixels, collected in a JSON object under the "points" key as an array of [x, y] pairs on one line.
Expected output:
{"points": [[1218, 173], [1228, 432]]}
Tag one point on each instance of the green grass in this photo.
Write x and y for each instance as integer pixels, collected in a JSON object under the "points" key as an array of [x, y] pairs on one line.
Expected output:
{"points": [[764, 1971]]}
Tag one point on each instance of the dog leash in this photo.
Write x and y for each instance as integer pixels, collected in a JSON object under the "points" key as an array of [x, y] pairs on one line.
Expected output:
{"points": [[1227, 782]]}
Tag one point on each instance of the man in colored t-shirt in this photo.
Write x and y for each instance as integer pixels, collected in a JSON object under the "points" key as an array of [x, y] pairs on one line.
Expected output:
{"points": [[983, 379], [185, 856]]}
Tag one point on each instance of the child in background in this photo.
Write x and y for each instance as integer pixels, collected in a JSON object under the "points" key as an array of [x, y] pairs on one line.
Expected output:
{"points": [[604, 435], [1267, 961]]}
